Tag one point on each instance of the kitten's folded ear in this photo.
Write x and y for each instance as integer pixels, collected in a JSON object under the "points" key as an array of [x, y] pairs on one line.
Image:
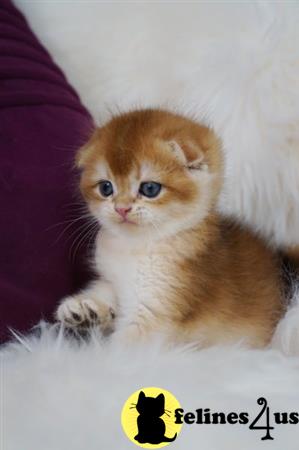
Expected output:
{"points": [[177, 151], [199, 163], [85, 151], [80, 158], [189, 155]]}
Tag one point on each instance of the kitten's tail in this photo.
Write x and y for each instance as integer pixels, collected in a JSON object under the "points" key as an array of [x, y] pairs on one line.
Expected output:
{"points": [[166, 439]]}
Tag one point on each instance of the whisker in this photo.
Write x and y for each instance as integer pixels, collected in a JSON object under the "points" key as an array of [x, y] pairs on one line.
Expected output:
{"points": [[77, 238], [73, 220], [152, 222], [85, 233], [75, 208], [80, 228], [83, 216], [78, 202], [92, 237], [83, 229]]}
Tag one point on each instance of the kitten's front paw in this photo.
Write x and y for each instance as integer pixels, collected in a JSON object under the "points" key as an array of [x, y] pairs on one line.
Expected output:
{"points": [[83, 312]]}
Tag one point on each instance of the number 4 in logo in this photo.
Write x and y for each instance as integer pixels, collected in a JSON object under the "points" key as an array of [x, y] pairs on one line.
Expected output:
{"points": [[265, 410]]}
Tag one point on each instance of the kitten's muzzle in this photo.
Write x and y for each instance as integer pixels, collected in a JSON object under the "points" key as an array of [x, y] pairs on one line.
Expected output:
{"points": [[123, 211]]}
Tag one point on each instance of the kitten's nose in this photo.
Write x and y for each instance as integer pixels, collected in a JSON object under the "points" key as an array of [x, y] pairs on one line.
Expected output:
{"points": [[123, 211]]}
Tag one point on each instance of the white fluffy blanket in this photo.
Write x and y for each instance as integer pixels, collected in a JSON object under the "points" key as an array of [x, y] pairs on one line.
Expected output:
{"points": [[59, 396], [56, 395]]}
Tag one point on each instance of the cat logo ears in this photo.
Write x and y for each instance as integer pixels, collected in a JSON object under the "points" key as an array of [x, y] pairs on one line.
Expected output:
{"points": [[148, 418]]}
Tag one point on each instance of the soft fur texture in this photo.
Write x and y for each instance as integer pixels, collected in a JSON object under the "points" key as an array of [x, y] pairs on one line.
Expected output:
{"points": [[252, 100], [170, 263], [57, 396]]}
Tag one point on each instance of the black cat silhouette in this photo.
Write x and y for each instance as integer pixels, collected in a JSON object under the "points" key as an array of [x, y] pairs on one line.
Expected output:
{"points": [[151, 428]]}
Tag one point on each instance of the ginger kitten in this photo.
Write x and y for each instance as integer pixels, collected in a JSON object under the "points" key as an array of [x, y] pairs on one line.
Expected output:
{"points": [[168, 262]]}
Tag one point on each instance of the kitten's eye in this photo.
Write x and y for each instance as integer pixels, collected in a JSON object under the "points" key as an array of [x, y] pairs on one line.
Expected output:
{"points": [[105, 188], [150, 189]]}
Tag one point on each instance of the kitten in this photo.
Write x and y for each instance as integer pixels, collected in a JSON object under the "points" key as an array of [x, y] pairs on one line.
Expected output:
{"points": [[168, 262]]}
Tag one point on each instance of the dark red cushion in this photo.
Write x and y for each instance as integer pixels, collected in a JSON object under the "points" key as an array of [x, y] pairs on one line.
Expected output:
{"points": [[42, 123]]}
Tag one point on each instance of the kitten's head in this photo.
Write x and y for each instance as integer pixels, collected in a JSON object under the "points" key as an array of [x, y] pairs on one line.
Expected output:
{"points": [[150, 172]]}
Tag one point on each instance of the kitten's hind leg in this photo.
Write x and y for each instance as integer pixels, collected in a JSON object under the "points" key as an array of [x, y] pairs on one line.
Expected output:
{"points": [[94, 306]]}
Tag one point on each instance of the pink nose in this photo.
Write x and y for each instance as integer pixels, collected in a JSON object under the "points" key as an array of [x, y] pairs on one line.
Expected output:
{"points": [[123, 211]]}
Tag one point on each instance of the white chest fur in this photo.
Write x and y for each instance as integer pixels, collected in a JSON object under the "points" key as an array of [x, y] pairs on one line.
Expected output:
{"points": [[137, 273]]}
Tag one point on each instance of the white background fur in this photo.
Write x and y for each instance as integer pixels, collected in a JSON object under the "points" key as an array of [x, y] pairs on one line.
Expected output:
{"points": [[216, 60]]}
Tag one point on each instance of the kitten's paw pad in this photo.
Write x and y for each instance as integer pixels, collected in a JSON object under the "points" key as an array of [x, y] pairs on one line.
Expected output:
{"points": [[85, 312]]}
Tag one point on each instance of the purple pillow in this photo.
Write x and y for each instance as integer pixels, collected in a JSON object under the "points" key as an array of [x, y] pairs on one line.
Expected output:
{"points": [[42, 123]]}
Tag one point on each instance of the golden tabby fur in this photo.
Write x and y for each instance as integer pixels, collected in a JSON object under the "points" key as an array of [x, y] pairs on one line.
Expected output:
{"points": [[170, 263]]}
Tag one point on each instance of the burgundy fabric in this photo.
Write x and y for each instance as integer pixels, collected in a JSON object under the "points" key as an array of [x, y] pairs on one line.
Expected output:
{"points": [[42, 123]]}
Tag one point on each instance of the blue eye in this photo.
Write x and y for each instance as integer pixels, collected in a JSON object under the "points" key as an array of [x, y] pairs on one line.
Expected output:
{"points": [[150, 189], [106, 188]]}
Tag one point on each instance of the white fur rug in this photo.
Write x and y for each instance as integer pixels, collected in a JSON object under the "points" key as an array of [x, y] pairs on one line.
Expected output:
{"points": [[56, 395], [59, 396]]}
